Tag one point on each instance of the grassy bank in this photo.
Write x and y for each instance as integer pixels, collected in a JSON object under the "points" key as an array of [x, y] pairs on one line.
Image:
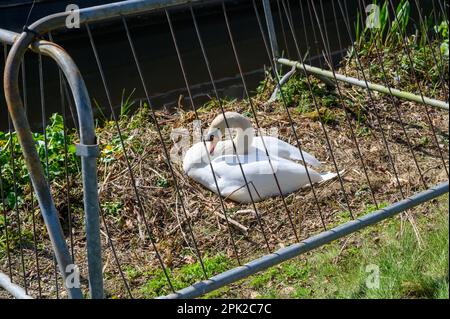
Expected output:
{"points": [[346, 268], [341, 269]]}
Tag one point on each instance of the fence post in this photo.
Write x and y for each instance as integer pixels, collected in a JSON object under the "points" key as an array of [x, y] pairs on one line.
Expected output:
{"points": [[270, 28], [89, 154], [87, 149], [31, 157]]}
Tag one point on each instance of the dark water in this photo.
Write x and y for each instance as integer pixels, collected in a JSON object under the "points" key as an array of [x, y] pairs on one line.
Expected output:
{"points": [[158, 58]]}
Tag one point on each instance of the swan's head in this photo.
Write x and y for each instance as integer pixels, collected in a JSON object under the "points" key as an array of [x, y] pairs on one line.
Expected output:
{"points": [[231, 120]]}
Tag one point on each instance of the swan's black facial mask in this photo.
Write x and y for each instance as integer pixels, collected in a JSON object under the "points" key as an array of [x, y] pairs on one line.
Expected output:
{"points": [[213, 137]]}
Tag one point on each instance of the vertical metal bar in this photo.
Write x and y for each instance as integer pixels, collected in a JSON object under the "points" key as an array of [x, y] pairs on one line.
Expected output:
{"points": [[2, 194], [6, 224], [283, 31], [88, 150], [183, 71], [337, 31], [31, 157], [33, 216], [130, 171], [347, 19], [73, 113], [15, 208], [35, 246], [271, 29], [316, 42], [299, 145], [89, 155], [241, 73], [302, 14]]}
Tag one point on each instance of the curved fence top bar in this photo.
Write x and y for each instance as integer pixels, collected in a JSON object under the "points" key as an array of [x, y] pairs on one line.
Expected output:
{"points": [[86, 131], [107, 11], [8, 37], [73, 76]]}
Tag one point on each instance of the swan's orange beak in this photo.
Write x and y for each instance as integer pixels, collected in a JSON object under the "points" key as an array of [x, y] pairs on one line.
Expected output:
{"points": [[212, 146]]}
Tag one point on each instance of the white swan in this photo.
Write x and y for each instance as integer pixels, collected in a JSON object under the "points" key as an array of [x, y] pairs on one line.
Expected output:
{"points": [[255, 163]]}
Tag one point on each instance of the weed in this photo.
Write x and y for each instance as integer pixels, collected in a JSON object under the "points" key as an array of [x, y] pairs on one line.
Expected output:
{"points": [[54, 167], [185, 276]]}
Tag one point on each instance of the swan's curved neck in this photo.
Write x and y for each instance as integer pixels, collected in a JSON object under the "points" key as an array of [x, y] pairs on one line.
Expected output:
{"points": [[238, 124], [243, 139]]}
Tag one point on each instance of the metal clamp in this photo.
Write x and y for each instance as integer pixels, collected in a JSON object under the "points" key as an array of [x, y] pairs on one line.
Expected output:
{"points": [[87, 150], [28, 30]]}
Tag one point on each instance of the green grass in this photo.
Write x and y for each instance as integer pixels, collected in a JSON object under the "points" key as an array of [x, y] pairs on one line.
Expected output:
{"points": [[343, 268], [187, 275]]}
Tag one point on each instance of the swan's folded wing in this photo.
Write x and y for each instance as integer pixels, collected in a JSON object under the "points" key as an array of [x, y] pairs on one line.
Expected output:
{"points": [[291, 175], [279, 148]]}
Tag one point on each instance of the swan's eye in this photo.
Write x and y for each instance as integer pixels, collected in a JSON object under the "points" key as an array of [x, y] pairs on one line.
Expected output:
{"points": [[211, 138]]}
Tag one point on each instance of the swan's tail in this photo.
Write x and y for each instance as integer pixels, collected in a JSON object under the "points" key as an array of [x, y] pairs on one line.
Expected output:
{"points": [[327, 176], [324, 177]]}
